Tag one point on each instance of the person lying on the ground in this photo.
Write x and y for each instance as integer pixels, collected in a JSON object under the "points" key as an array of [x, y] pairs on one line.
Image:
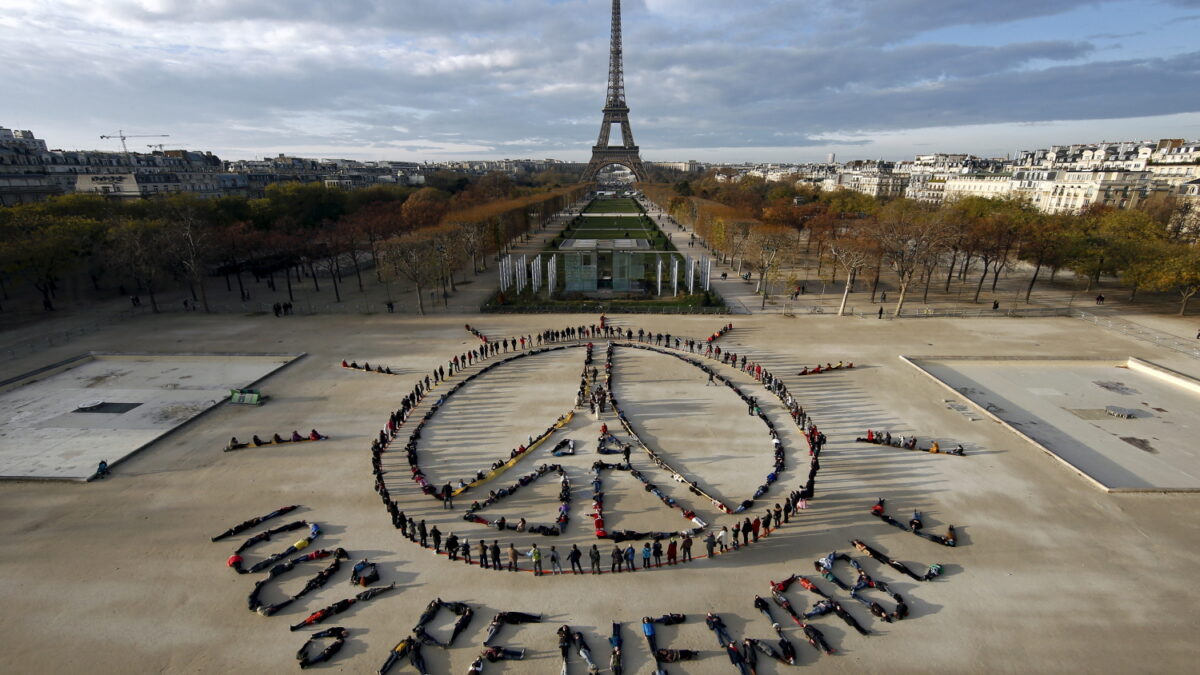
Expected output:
{"points": [[267, 534], [787, 652], [762, 606], [316, 582], [256, 441], [364, 573], [819, 608], [460, 625], [418, 660], [585, 653], [276, 438], [339, 635], [915, 523], [494, 654], [716, 625], [314, 436], [808, 585], [849, 619], [784, 604], [782, 586], [425, 638], [675, 655], [509, 618], [816, 638], [762, 646], [828, 575], [430, 611], [401, 650], [234, 444], [950, 539], [670, 619], [340, 606], [565, 636], [875, 608], [314, 532]]}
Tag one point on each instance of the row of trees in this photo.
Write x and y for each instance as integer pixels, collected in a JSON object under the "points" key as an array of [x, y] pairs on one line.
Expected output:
{"points": [[184, 240], [428, 257], [1151, 248]]}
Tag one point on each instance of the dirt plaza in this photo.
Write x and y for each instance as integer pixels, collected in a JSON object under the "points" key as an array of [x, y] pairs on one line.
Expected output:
{"points": [[1051, 574]]}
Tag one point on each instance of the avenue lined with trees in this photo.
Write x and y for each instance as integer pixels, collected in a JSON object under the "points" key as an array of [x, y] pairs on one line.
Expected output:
{"points": [[763, 228], [297, 234]]}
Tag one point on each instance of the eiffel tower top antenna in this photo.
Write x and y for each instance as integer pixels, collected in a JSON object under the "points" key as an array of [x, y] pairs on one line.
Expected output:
{"points": [[615, 112], [616, 68]]}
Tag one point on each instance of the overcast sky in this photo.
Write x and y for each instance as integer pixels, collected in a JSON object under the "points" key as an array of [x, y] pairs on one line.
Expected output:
{"points": [[713, 80]]}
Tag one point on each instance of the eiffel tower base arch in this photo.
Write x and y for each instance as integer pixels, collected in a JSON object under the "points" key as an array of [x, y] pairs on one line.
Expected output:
{"points": [[602, 157]]}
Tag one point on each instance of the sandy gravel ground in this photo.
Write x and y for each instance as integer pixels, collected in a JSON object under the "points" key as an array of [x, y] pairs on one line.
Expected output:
{"points": [[1051, 575]]}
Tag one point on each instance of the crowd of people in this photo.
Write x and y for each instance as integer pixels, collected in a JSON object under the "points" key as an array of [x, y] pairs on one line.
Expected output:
{"points": [[235, 561], [366, 368], [253, 602], [276, 439], [907, 443], [915, 525], [818, 369], [596, 393], [564, 496]]}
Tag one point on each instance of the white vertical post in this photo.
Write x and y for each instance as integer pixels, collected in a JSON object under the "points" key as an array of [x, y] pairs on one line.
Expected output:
{"points": [[691, 281], [674, 275], [659, 275]]}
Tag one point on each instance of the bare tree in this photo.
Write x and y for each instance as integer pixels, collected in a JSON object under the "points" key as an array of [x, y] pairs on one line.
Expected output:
{"points": [[906, 236], [852, 254], [412, 257]]}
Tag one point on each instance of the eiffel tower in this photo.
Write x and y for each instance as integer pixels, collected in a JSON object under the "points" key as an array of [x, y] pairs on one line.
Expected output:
{"points": [[615, 112]]}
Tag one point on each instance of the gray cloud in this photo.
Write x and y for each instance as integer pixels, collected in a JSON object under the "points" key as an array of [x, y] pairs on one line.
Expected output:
{"points": [[526, 77]]}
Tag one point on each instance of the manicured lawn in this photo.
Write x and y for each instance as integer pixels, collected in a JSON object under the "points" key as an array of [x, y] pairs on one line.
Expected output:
{"points": [[612, 206], [614, 221]]}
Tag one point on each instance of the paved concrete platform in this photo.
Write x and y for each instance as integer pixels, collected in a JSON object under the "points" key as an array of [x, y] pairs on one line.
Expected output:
{"points": [[1051, 574], [59, 423], [1064, 406]]}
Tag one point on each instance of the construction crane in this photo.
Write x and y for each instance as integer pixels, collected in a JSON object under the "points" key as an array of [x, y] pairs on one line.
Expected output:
{"points": [[162, 146], [121, 135]]}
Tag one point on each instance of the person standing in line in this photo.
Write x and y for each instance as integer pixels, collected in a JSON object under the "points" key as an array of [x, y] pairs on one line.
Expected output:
{"points": [[618, 559], [710, 544], [594, 557], [512, 558], [574, 556], [496, 555], [555, 562], [536, 555], [483, 554], [646, 555], [686, 548], [658, 551], [630, 554], [672, 551]]}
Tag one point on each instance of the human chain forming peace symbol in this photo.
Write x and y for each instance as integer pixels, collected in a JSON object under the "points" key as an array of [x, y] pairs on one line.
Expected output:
{"points": [[595, 393]]}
